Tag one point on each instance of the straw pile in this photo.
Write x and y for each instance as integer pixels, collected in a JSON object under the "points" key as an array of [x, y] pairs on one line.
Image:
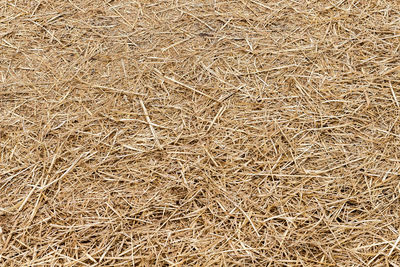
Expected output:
{"points": [[199, 133]]}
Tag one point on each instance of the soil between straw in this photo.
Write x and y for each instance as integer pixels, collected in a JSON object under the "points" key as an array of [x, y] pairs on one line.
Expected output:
{"points": [[199, 133]]}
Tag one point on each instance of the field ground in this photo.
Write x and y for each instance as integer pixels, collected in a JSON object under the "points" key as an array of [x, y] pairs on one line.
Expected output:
{"points": [[199, 133]]}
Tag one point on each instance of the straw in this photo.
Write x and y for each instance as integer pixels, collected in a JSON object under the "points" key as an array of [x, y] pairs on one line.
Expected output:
{"points": [[199, 133]]}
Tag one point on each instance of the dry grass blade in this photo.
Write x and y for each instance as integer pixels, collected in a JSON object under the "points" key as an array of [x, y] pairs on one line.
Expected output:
{"points": [[153, 132], [173, 80]]}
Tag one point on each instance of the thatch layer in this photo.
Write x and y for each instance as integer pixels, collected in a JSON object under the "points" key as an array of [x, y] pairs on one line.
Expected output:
{"points": [[199, 133]]}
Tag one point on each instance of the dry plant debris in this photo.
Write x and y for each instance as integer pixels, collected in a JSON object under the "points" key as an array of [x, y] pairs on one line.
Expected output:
{"points": [[199, 133]]}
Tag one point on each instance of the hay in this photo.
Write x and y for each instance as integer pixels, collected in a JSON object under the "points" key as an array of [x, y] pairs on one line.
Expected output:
{"points": [[199, 133]]}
